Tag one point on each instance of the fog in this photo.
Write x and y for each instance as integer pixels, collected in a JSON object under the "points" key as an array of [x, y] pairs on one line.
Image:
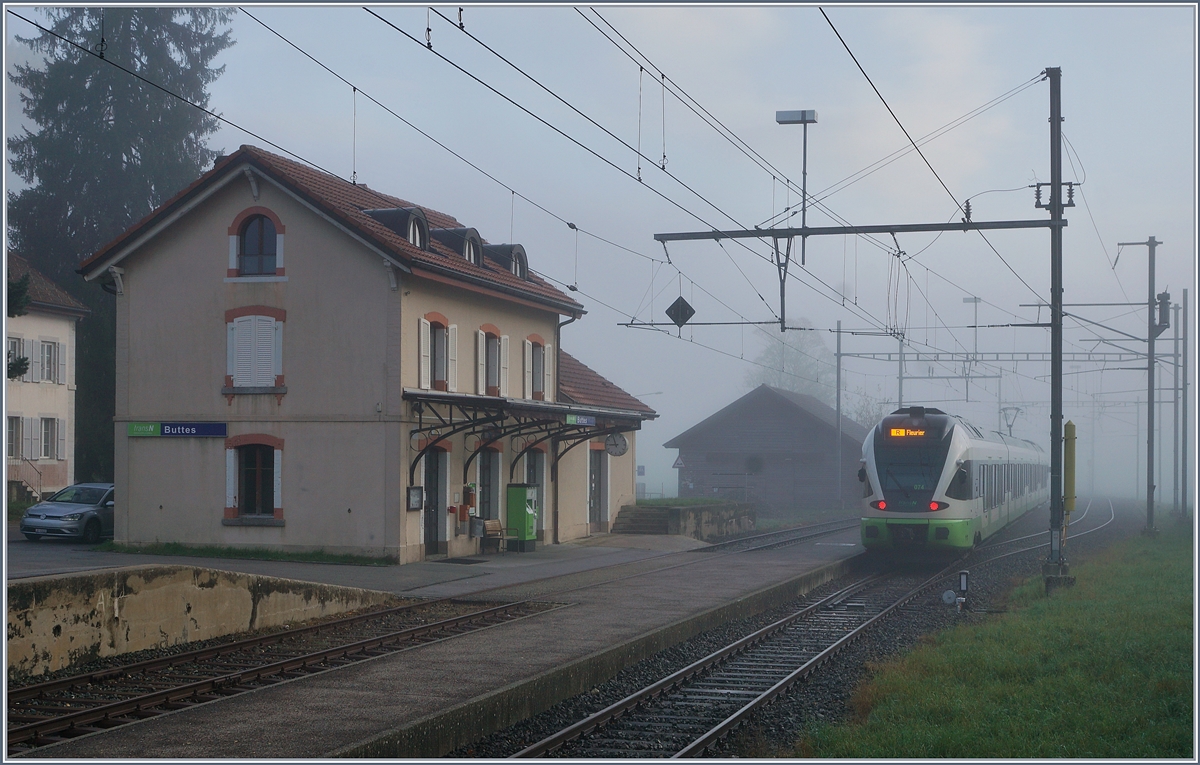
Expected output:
{"points": [[1128, 85]]}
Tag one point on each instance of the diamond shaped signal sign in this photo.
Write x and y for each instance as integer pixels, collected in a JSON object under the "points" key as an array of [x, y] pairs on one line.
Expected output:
{"points": [[680, 312]]}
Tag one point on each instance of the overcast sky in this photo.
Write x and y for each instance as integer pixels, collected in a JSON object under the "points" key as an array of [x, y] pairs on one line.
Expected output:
{"points": [[1129, 103]]}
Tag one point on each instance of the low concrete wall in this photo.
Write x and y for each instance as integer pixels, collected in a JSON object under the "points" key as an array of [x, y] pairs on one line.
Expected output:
{"points": [[55, 622], [465, 723], [708, 523]]}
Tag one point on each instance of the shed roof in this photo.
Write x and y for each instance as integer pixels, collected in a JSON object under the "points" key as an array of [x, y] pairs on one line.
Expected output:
{"points": [[43, 293], [772, 397], [583, 385], [344, 202]]}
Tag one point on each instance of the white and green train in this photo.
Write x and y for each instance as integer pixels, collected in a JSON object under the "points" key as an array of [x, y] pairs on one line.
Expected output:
{"points": [[933, 480]]}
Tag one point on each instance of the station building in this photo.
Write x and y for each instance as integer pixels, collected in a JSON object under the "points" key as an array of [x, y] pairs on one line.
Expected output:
{"points": [[306, 363], [776, 448], [40, 404]]}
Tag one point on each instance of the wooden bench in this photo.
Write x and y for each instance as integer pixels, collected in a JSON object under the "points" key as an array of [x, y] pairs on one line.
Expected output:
{"points": [[494, 532]]}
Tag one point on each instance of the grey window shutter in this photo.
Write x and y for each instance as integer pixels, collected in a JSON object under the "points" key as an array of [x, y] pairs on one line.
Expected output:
{"points": [[36, 427], [452, 357], [243, 342], [527, 390], [481, 363], [549, 362], [60, 428], [27, 438], [35, 360], [62, 363], [504, 365], [423, 369]]}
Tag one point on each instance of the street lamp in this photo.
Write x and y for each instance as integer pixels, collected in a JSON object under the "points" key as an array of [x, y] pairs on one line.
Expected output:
{"points": [[803, 117]]}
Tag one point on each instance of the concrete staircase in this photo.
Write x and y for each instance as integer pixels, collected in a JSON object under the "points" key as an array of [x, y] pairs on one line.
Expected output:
{"points": [[641, 520]]}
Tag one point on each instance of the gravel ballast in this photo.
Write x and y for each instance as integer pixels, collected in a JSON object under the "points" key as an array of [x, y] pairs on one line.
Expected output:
{"points": [[825, 696]]}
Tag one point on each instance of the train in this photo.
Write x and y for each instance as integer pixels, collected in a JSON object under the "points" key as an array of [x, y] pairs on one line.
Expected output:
{"points": [[934, 481]]}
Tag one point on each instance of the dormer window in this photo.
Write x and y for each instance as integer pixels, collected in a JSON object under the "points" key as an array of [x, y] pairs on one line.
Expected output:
{"points": [[463, 241], [408, 222], [416, 235], [256, 247], [520, 266], [471, 251]]}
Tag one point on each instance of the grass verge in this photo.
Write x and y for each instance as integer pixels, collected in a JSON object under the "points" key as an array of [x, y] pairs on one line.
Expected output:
{"points": [[1100, 670], [244, 553]]}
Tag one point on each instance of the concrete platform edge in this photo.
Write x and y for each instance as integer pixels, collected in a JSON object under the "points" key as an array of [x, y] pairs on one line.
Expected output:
{"points": [[462, 724]]}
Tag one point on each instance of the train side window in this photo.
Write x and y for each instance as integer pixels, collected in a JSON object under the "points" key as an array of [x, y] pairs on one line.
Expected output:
{"points": [[960, 484]]}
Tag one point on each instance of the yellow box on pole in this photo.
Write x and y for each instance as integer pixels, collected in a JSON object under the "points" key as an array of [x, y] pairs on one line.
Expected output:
{"points": [[1069, 467]]}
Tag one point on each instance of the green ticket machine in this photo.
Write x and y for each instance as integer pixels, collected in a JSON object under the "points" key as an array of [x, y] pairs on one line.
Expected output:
{"points": [[522, 511]]}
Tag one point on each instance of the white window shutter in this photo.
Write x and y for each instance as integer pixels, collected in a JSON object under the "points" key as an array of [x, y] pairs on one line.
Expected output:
{"points": [[277, 352], [423, 347], [452, 358], [481, 363], [243, 362], [504, 365], [60, 429], [527, 390], [231, 478], [548, 365], [28, 354], [264, 351], [35, 360], [62, 364], [27, 438], [36, 424]]}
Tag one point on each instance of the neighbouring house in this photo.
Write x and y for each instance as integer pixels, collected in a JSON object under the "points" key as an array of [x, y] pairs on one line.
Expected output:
{"points": [[41, 403], [306, 363], [775, 448]]}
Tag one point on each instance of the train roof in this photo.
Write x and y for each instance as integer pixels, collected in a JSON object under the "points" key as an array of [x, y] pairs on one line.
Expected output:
{"points": [[995, 436]]}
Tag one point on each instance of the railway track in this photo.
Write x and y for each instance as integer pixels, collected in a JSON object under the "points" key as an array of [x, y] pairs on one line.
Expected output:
{"points": [[67, 708], [784, 537], [684, 714]]}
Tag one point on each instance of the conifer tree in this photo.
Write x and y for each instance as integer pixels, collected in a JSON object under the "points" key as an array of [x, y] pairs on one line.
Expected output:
{"points": [[108, 149]]}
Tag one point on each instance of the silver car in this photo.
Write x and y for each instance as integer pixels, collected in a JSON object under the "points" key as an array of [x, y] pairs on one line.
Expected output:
{"points": [[83, 511]]}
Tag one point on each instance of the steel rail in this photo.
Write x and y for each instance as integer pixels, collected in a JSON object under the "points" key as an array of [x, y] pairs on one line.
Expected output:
{"points": [[200, 654], [701, 744], [232, 681], [669, 683], [806, 532]]}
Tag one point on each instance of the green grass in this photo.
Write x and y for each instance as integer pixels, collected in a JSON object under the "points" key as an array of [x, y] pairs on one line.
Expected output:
{"points": [[243, 553], [1100, 670]]}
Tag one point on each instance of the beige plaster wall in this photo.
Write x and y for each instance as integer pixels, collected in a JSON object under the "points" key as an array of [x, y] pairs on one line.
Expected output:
{"points": [[38, 399], [56, 622]]}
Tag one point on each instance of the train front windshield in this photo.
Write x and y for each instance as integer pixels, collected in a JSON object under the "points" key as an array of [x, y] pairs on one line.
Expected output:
{"points": [[909, 458]]}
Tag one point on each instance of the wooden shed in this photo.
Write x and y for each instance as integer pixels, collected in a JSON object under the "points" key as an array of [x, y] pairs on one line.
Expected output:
{"points": [[775, 448]]}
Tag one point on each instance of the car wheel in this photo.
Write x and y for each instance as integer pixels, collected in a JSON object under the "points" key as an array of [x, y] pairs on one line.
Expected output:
{"points": [[32, 537], [91, 532]]}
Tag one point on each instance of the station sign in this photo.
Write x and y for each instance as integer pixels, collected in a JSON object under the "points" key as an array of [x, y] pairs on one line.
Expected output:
{"points": [[179, 429], [579, 419]]}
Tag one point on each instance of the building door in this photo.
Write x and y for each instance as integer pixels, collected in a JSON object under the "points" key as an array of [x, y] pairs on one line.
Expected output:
{"points": [[595, 488], [433, 499], [489, 469]]}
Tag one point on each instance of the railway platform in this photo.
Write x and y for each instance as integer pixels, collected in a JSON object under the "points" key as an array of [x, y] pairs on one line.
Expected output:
{"points": [[624, 598]]}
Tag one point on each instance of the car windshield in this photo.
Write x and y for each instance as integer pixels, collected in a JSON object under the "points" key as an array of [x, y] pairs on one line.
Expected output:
{"points": [[79, 495]]}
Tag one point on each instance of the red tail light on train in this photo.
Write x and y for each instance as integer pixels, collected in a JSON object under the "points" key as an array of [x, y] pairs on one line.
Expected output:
{"points": [[938, 506], [879, 504]]}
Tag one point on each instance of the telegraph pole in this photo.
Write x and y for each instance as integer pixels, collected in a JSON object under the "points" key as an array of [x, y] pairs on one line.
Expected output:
{"points": [[1175, 421], [1183, 482], [1056, 565], [841, 502], [1153, 328]]}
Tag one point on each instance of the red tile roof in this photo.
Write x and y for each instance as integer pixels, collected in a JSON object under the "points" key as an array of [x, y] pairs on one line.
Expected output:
{"points": [[583, 385], [42, 291], [345, 202]]}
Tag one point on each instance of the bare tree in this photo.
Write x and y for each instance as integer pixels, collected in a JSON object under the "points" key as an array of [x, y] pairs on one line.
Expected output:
{"points": [[796, 361]]}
